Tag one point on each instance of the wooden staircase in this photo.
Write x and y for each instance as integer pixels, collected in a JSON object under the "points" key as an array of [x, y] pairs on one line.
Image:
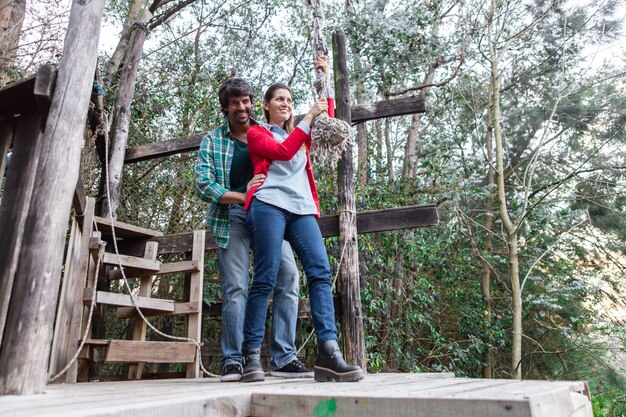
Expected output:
{"points": [[137, 351]]}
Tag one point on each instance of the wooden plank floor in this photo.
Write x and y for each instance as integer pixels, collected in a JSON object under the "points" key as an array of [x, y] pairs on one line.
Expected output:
{"points": [[378, 395]]}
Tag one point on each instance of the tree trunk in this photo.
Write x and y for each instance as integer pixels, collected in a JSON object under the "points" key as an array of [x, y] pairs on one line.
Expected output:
{"points": [[408, 168], [362, 171], [509, 227], [11, 20], [361, 140], [121, 120], [389, 150], [379, 147], [485, 282], [134, 14]]}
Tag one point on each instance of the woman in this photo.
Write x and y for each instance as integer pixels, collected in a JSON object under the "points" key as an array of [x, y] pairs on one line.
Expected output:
{"points": [[285, 207]]}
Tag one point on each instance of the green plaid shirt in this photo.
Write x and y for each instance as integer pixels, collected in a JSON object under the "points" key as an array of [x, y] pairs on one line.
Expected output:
{"points": [[213, 179]]}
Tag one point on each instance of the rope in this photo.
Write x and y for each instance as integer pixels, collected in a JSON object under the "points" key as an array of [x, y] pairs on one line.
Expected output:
{"points": [[331, 136]]}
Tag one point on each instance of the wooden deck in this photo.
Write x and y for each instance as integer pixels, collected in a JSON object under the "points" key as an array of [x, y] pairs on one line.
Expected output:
{"points": [[379, 395]]}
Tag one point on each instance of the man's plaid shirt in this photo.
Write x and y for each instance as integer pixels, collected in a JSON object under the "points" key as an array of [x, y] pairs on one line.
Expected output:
{"points": [[213, 179]]}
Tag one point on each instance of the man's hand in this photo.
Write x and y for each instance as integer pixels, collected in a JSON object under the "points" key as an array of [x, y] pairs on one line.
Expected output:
{"points": [[258, 179]]}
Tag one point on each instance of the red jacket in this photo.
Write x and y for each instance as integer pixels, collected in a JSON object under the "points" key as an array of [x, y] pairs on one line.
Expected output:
{"points": [[264, 149]]}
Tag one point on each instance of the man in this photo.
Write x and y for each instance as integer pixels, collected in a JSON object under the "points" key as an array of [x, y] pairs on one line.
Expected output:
{"points": [[224, 174]]}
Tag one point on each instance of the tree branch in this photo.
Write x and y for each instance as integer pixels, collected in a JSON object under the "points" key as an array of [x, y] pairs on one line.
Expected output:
{"points": [[163, 17], [437, 63]]}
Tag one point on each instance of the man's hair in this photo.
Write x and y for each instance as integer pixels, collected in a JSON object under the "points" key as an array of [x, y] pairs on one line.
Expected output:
{"points": [[233, 87]]}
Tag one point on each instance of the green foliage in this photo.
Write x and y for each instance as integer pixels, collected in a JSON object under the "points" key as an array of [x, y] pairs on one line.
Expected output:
{"points": [[423, 304]]}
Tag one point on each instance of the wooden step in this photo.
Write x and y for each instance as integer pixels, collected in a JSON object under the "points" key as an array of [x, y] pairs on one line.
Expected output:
{"points": [[139, 351], [125, 230], [180, 309], [132, 262], [123, 300], [168, 268]]}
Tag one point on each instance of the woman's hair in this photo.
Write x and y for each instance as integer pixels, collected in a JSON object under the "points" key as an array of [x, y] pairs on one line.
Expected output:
{"points": [[269, 94]]}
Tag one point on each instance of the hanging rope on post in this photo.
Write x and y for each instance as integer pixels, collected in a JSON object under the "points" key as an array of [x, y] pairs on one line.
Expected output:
{"points": [[330, 135]]}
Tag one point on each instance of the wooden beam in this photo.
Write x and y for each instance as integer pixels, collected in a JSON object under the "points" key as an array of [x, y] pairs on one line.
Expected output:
{"points": [[180, 309], [388, 108], [124, 230], [360, 114], [169, 268], [384, 220], [28, 331], [131, 262], [367, 222], [163, 148]]}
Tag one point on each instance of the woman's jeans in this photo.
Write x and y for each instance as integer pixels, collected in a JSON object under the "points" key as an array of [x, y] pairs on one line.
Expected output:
{"points": [[235, 272], [267, 226]]}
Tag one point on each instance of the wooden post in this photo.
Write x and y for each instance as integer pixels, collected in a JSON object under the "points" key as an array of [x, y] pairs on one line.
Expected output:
{"points": [[349, 285], [196, 284], [28, 330]]}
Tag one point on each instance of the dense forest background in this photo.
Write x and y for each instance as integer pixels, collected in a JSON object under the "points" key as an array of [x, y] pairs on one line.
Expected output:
{"points": [[523, 149]]}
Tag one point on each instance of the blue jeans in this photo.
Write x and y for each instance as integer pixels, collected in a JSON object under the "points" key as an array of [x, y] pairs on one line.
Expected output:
{"points": [[234, 267], [268, 225]]}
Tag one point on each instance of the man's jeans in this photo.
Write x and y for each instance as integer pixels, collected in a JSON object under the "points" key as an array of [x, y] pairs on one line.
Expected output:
{"points": [[268, 225], [234, 267]]}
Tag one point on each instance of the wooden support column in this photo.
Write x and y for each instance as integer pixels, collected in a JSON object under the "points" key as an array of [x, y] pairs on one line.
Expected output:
{"points": [[349, 285], [194, 321], [29, 325]]}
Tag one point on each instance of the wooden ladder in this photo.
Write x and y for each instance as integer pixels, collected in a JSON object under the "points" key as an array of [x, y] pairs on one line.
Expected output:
{"points": [[138, 351]]}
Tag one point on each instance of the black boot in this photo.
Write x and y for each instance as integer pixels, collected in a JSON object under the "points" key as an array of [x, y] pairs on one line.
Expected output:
{"points": [[330, 366], [252, 369]]}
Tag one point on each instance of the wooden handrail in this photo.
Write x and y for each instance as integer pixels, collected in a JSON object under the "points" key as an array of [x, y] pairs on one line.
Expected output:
{"points": [[367, 222], [360, 114]]}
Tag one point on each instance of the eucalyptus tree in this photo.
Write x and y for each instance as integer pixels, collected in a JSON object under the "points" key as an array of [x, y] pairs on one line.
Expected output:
{"points": [[533, 55]]}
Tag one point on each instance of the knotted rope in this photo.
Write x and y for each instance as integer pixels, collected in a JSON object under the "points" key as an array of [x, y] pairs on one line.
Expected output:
{"points": [[331, 136]]}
